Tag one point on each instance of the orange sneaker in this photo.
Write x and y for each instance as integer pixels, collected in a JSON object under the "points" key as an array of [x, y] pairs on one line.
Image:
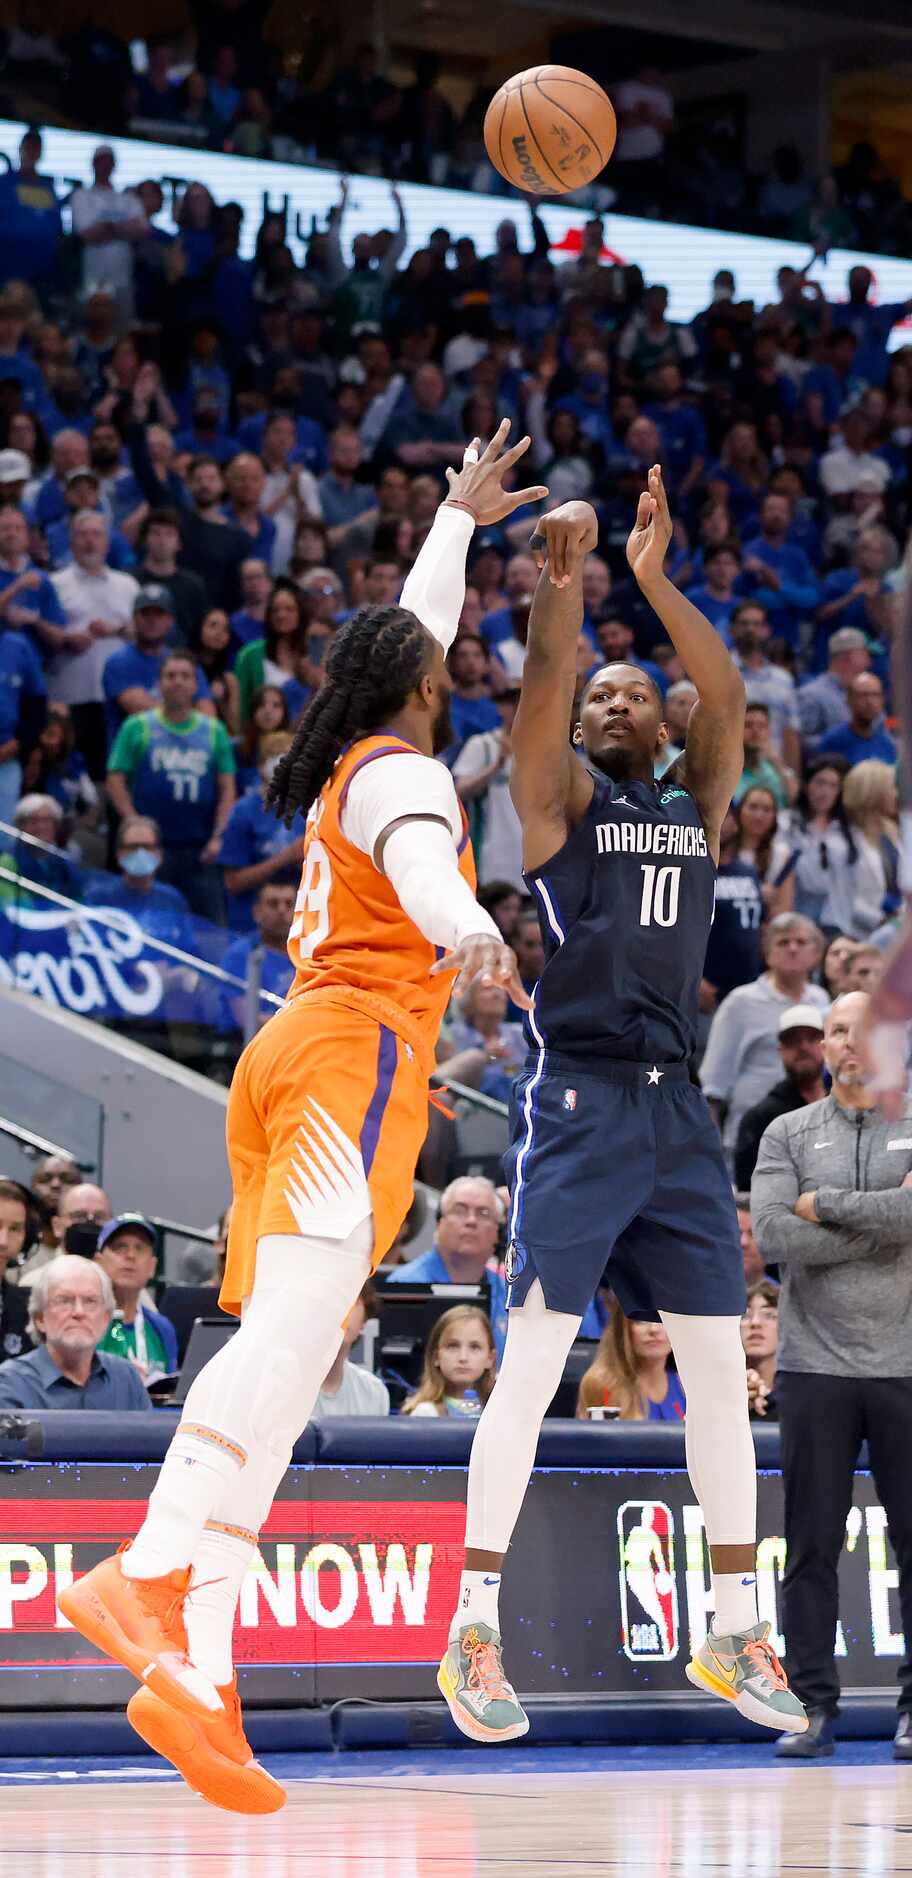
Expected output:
{"points": [[140, 1622], [214, 1756]]}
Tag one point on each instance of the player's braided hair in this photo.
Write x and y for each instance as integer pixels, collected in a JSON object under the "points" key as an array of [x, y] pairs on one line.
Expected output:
{"points": [[375, 662]]}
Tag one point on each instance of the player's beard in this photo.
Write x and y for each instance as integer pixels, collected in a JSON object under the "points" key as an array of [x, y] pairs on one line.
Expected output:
{"points": [[443, 725], [618, 764]]}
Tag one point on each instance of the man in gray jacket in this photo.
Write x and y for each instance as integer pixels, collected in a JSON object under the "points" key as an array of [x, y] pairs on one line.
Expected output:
{"points": [[831, 1200]]}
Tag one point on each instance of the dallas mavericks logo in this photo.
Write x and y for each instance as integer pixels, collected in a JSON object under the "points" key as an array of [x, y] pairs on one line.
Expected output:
{"points": [[514, 1260], [568, 1100]]}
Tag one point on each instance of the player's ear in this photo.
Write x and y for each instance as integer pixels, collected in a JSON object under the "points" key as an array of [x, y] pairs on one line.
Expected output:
{"points": [[577, 735], [662, 737]]}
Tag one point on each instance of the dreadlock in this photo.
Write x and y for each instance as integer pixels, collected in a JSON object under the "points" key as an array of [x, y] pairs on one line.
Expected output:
{"points": [[376, 661]]}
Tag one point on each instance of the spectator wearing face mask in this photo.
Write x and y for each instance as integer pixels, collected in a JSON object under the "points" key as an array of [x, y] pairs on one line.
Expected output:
{"points": [[161, 911], [256, 848]]}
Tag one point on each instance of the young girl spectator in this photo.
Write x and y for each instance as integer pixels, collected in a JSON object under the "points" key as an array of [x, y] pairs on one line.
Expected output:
{"points": [[459, 1365], [864, 894], [272, 659], [630, 1372], [213, 655], [761, 842], [311, 548], [820, 839], [760, 1337], [268, 713]]}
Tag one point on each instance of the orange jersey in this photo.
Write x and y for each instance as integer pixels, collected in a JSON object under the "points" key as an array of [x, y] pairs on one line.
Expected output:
{"points": [[350, 935]]}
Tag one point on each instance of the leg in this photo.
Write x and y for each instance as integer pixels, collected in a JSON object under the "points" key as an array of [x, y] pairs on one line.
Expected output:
{"points": [[720, 1457], [736, 1661], [481, 1701], [888, 1418], [821, 1430]]}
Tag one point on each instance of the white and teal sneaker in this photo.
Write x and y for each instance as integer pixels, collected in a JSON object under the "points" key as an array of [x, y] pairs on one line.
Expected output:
{"points": [[471, 1679], [744, 1669]]}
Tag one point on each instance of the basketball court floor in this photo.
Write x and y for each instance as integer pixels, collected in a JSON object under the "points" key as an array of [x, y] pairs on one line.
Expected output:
{"points": [[714, 1812]]}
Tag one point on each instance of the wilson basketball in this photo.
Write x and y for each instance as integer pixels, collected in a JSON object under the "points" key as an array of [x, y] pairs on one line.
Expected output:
{"points": [[550, 130]]}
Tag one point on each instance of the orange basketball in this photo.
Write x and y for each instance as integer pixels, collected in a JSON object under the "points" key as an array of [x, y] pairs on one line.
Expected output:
{"points": [[550, 129]]}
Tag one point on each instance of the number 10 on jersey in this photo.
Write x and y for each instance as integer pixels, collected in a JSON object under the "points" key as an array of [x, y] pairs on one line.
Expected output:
{"points": [[661, 893]]}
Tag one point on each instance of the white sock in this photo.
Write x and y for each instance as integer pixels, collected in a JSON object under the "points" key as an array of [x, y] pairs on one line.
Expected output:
{"points": [[196, 1471], [220, 1565], [736, 1602], [248, 1406], [479, 1593]]}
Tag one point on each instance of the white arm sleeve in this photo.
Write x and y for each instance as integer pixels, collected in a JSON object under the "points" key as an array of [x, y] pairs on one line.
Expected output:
{"points": [[435, 588], [420, 862], [420, 859]]}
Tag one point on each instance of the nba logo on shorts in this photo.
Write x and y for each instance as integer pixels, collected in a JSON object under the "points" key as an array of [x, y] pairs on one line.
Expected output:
{"points": [[649, 1592], [568, 1100]]}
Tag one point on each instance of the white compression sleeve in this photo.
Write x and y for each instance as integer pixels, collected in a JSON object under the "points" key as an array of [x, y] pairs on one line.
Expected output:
{"points": [[435, 588], [420, 862]]}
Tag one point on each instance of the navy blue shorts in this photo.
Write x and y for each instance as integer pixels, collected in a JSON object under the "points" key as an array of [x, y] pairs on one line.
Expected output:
{"points": [[614, 1174]]}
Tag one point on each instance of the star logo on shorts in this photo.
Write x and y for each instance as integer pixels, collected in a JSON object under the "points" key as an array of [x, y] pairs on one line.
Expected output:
{"points": [[655, 1075]]}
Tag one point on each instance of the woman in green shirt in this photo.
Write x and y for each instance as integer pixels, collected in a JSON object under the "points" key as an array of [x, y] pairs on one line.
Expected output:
{"points": [[273, 659]]}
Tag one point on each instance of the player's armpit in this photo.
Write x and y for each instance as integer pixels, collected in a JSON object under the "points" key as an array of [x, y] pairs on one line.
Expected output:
{"points": [[713, 762]]}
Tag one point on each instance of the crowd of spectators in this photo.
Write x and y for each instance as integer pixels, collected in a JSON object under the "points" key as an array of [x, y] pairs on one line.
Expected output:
{"points": [[207, 464], [225, 85]]}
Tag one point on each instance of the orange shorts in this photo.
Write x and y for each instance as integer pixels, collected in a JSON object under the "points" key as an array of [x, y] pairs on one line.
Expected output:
{"points": [[327, 1115]]}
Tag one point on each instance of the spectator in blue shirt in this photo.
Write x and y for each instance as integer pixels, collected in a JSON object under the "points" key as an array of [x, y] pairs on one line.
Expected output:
{"points": [[589, 402], [472, 708], [342, 499], [131, 676], [14, 361], [30, 218], [465, 1252], [871, 325], [81, 492], [160, 911], [858, 595], [256, 586], [777, 575], [717, 597], [519, 584], [680, 427], [28, 599], [71, 1306], [260, 958], [860, 738], [255, 846], [23, 695], [244, 481]]}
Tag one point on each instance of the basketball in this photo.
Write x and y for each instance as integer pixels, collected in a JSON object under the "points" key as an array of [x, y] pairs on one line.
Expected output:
{"points": [[550, 130]]}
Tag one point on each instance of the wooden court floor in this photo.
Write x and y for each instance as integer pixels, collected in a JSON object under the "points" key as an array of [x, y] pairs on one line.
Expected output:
{"points": [[739, 1823]]}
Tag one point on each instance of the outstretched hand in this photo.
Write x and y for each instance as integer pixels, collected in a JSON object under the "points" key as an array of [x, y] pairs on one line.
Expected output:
{"points": [[651, 533], [480, 956], [563, 538], [479, 483]]}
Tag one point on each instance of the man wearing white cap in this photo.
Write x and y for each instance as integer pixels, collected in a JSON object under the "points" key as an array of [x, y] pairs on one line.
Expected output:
{"points": [[801, 1050]]}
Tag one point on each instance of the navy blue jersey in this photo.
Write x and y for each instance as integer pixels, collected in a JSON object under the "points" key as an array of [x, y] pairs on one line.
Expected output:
{"points": [[625, 909]]}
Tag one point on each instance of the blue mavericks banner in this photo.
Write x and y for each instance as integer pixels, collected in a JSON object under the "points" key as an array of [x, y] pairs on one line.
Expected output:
{"points": [[102, 955]]}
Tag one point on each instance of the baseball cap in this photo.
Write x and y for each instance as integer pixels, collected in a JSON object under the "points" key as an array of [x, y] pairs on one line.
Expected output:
{"points": [[84, 471], [14, 466], [848, 639], [126, 1222], [153, 595], [797, 1017]]}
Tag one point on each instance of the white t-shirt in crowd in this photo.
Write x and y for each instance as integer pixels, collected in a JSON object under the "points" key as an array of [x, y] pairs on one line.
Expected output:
{"points": [[636, 142], [76, 677], [499, 855], [289, 512], [105, 263], [359, 1393]]}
